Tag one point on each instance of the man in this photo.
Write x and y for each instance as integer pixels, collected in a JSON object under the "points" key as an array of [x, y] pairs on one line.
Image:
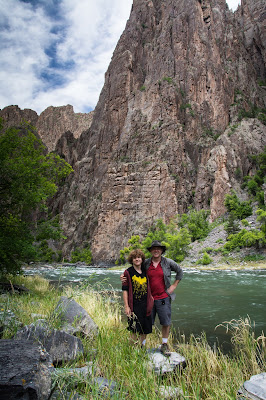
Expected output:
{"points": [[159, 273]]}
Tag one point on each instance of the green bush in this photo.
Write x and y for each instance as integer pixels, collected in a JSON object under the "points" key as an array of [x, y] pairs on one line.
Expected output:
{"points": [[245, 222], [83, 255], [175, 239], [177, 244], [232, 225], [168, 79], [205, 260], [254, 183], [196, 222], [208, 250], [45, 253], [253, 112], [262, 219], [28, 179], [241, 209], [245, 239], [134, 243], [254, 257]]}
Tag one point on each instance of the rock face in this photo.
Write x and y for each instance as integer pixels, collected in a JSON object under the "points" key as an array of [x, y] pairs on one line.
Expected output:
{"points": [[52, 122], [165, 133], [74, 318], [55, 121], [25, 371], [61, 346]]}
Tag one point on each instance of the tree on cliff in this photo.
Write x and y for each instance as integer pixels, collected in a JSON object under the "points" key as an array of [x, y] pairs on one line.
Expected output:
{"points": [[28, 178]]}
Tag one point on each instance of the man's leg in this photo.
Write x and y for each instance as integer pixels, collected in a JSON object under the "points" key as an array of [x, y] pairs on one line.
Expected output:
{"points": [[164, 313], [165, 332]]}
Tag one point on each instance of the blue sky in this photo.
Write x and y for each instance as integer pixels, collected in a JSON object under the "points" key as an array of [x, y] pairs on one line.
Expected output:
{"points": [[56, 52]]}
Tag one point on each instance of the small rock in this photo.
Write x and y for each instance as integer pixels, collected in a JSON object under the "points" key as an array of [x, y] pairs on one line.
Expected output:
{"points": [[254, 389], [169, 392], [161, 364]]}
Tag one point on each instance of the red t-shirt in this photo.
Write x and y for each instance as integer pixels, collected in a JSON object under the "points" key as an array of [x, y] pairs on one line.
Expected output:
{"points": [[156, 279]]}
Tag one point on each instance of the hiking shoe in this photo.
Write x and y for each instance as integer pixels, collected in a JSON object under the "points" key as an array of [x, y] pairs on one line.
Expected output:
{"points": [[165, 350]]}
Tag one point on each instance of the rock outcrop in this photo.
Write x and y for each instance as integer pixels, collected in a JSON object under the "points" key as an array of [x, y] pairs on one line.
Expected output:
{"points": [[55, 121], [166, 132], [25, 370], [52, 123], [61, 346]]}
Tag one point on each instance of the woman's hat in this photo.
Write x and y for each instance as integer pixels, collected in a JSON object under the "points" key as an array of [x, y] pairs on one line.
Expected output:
{"points": [[156, 243]]}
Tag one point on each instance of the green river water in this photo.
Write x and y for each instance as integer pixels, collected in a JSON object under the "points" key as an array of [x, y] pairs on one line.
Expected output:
{"points": [[204, 299]]}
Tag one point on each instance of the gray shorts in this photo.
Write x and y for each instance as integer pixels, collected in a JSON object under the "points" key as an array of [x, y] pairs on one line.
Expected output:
{"points": [[163, 309]]}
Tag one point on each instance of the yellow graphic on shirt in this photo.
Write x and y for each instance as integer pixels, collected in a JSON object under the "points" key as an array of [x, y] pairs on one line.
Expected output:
{"points": [[139, 286]]}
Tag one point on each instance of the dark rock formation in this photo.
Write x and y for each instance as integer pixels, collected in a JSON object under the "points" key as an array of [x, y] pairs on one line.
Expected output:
{"points": [[60, 345], [74, 318], [24, 371], [166, 131]]}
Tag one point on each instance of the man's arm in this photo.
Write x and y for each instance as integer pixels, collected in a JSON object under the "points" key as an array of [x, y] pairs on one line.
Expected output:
{"points": [[172, 288], [176, 268]]}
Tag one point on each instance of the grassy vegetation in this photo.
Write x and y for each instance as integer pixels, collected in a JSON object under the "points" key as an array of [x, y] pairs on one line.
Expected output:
{"points": [[209, 373]]}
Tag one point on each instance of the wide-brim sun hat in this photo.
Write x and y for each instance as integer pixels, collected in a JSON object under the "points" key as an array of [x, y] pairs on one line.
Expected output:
{"points": [[156, 243]]}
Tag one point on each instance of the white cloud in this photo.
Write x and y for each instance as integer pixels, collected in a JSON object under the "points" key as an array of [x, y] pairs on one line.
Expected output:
{"points": [[233, 4], [56, 52], [84, 38]]}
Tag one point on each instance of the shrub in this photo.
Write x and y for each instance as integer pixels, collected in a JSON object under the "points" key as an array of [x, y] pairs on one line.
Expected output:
{"points": [[196, 222], [205, 260], [29, 177], [245, 222], [245, 239], [134, 243], [168, 79], [175, 239], [262, 219], [254, 183], [241, 209], [232, 225], [83, 255], [207, 250], [253, 112], [254, 257]]}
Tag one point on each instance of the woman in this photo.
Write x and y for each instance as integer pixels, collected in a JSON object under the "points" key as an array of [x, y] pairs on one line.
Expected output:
{"points": [[137, 298]]}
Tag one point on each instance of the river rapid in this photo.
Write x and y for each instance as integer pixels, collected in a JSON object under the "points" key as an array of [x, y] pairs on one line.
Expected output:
{"points": [[205, 299]]}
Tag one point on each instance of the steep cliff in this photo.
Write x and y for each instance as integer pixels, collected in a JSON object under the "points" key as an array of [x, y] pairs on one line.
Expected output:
{"points": [[166, 131], [51, 124]]}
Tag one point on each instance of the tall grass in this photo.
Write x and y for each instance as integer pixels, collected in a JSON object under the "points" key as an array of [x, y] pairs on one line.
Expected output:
{"points": [[209, 373]]}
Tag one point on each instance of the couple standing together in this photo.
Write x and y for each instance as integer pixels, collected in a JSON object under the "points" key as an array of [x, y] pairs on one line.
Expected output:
{"points": [[147, 291]]}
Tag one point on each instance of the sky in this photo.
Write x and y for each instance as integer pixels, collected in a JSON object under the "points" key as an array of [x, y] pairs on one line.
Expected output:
{"points": [[56, 52]]}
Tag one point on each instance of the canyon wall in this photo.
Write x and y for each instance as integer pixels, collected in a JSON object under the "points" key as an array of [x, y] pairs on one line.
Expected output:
{"points": [[166, 131]]}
